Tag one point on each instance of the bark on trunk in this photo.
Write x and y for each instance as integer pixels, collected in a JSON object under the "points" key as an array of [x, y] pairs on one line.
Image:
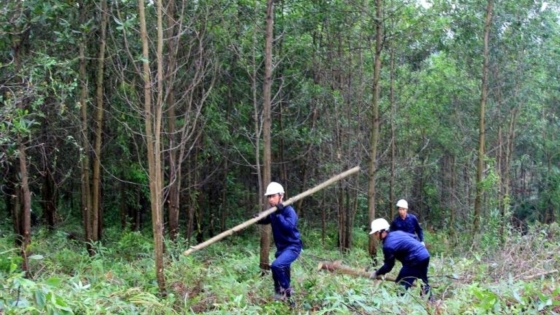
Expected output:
{"points": [[481, 125], [267, 87], [96, 196], [85, 184], [372, 244]]}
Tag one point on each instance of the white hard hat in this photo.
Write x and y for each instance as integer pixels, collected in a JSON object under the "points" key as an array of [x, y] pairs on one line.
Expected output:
{"points": [[273, 189], [402, 204], [379, 225]]}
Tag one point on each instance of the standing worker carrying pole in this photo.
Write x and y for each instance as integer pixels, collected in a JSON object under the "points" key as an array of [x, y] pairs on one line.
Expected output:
{"points": [[286, 238], [267, 212]]}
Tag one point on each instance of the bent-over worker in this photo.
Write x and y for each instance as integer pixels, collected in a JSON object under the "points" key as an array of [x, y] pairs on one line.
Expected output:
{"points": [[402, 246]]}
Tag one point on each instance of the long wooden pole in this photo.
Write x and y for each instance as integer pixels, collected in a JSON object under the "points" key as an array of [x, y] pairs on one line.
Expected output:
{"points": [[265, 213]]}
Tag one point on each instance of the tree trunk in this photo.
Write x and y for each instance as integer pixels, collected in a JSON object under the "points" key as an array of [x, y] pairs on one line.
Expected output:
{"points": [[22, 210], [86, 197], [194, 191], [348, 218], [510, 144], [153, 121], [267, 86], [175, 158], [481, 126], [341, 219], [393, 146], [452, 190], [25, 211], [96, 196], [372, 246]]}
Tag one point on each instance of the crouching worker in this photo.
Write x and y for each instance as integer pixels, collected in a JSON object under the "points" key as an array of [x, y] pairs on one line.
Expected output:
{"points": [[405, 248], [286, 238]]}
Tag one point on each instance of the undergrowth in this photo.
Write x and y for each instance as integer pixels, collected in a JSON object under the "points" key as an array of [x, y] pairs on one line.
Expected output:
{"points": [[468, 274]]}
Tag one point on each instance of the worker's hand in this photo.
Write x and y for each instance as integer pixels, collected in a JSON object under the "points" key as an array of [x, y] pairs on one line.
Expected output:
{"points": [[279, 206], [423, 244], [373, 275]]}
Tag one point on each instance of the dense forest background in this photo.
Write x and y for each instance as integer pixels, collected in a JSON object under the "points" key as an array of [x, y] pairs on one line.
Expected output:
{"points": [[173, 115]]}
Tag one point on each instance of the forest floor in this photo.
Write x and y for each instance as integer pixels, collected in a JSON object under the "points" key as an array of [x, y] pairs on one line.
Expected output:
{"points": [[469, 275]]}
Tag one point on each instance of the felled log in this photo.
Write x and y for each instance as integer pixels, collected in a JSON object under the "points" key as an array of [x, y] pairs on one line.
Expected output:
{"points": [[540, 274], [338, 267]]}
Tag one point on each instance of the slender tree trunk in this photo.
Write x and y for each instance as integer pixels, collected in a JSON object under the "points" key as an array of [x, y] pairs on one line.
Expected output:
{"points": [[86, 197], [26, 202], [324, 218], [393, 146], [372, 246], [174, 175], [267, 143], [507, 163], [96, 196], [17, 214], [500, 183], [452, 190], [157, 209], [347, 245], [258, 120], [153, 121], [23, 195], [341, 219], [193, 180], [467, 177], [481, 131], [223, 206]]}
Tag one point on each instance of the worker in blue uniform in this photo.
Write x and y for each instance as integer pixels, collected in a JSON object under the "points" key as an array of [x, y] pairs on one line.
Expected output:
{"points": [[286, 238], [407, 222], [404, 247]]}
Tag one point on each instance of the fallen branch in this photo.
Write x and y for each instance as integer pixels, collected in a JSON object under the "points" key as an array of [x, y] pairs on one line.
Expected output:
{"points": [[539, 274], [338, 267], [265, 213]]}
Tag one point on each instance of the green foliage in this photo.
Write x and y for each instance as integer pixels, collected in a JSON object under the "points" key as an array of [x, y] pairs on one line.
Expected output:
{"points": [[225, 279], [9, 263], [132, 244]]}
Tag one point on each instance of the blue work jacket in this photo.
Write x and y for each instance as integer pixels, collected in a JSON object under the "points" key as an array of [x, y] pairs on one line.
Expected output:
{"points": [[404, 247], [284, 228], [409, 224]]}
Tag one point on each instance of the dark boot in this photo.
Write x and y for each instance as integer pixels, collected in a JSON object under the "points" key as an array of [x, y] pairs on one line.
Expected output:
{"points": [[289, 294], [279, 296], [426, 292]]}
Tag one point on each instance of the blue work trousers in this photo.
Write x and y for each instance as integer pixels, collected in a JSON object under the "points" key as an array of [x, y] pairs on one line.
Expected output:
{"points": [[281, 268], [408, 274]]}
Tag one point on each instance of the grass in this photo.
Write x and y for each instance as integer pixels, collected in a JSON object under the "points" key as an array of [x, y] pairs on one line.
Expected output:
{"points": [[469, 276]]}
